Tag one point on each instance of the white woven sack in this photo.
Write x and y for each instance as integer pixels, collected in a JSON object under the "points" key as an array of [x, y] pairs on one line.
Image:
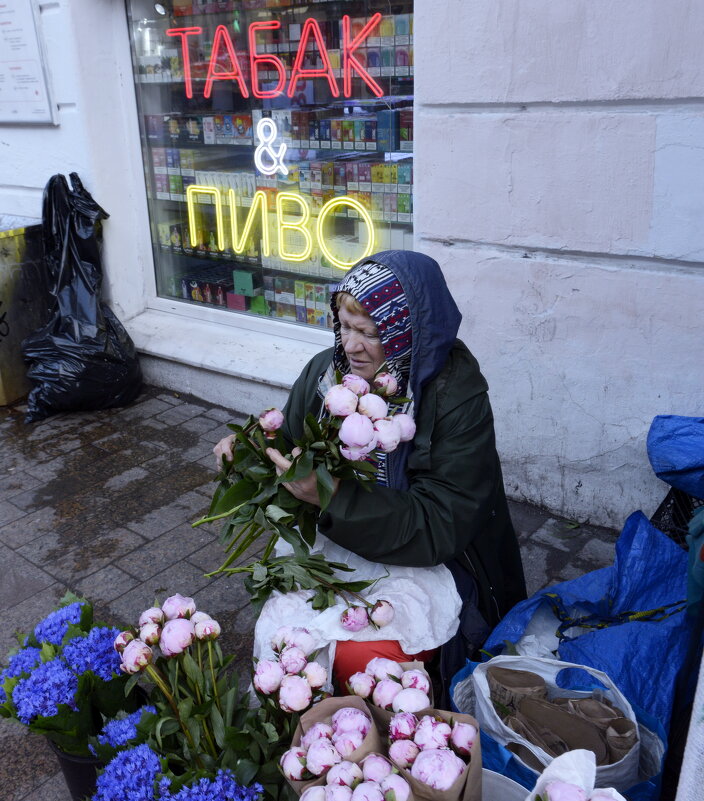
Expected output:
{"points": [[621, 775]]}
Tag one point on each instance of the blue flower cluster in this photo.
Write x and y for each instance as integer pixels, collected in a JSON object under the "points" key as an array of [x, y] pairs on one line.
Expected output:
{"points": [[54, 626], [118, 732], [23, 661], [221, 788], [51, 684], [129, 776], [94, 652]]}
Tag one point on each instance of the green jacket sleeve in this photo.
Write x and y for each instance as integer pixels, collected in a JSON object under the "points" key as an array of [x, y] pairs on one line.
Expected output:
{"points": [[450, 499]]}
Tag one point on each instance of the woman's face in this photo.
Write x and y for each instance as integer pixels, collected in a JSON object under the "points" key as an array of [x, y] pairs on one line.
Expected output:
{"points": [[361, 343]]}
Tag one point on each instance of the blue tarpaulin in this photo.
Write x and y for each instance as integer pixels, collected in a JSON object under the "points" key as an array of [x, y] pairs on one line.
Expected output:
{"points": [[676, 452]]}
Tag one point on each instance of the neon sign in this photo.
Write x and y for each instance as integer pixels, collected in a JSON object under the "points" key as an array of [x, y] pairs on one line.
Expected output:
{"points": [[223, 51]]}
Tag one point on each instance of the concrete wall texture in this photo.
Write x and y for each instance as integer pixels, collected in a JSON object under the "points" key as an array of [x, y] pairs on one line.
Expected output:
{"points": [[559, 183]]}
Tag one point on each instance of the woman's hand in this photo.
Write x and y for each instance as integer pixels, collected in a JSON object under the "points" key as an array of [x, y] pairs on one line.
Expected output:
{"points": [[306, 488], [224, 448]]}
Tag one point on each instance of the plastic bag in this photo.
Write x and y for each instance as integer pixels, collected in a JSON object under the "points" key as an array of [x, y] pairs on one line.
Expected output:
{"points": [[676, 452], [82, 358], [578, 768]]}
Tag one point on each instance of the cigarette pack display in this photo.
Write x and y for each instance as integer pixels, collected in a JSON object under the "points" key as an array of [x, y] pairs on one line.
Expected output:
{"points": [[378, 176], [325, 132], [387, 130], [348, 134], [313, 129], [370, 134], [364, 176], [340, 175], [406, 129], [327, 175]]}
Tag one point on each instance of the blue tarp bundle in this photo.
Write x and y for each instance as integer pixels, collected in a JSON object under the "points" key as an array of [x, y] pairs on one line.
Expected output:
{"points": [[676, 452]]}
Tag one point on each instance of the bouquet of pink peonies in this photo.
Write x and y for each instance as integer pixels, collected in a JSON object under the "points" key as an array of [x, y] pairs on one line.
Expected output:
{"points": [[360, 421]]}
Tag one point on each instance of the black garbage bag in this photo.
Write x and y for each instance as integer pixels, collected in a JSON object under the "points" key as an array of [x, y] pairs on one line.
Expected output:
{"points": [[83, 358]]}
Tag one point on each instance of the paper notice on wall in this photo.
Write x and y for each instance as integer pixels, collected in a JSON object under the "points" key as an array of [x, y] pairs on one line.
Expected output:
{"points": [[24, 92]]}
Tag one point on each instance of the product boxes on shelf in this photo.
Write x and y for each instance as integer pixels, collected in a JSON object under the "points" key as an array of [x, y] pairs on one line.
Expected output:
{"points": [[387, 130], [405, 119], [247, 282]]}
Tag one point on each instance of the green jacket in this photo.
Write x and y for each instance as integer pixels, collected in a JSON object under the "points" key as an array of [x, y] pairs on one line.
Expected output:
{"points": [[455, 507]]}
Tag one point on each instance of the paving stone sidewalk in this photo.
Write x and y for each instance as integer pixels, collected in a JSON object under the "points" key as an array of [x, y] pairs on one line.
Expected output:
{"points": [[101, 503]]}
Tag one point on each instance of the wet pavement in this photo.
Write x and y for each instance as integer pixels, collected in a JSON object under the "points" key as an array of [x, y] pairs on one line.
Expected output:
{"points": [[101, 503]]}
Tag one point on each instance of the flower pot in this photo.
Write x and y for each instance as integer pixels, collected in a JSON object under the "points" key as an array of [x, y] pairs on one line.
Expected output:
{"points": [[79, 772]]}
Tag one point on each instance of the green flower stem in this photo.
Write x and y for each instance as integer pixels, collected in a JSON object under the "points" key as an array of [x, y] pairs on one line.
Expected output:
{"points": [[257, 530], [218, 517], [199, 698], [269, 547], [212, 675]]}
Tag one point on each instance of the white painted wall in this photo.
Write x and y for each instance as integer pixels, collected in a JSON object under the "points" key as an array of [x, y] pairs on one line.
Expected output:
{"points": [[559, 182]]}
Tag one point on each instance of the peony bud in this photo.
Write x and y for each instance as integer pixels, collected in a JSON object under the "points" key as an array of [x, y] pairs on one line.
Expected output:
{"points": [[178, 606], [347, 742], [316, 793], [315, 674], [122, 640], [407, 426], [403, 753], [150, 633], [293, 764], [564, 791], [340, 401], [354, 618], [439, 768], [385, 692], [402, 726], [387, 384], [462, 738], [294, 694], [321, 756], [267, 676], [197, 617], [388, 434], [152, 615], [375, 767], [373, 407], [318, 731], [382, 614], [137, 655], [178, 633], [356, 384], [395, 788], [349, 718], [367, 791], [292, 659], [361, 684], [357, 454], [431, 733], [415, 680], [382, 668], [279, 640], [337, 792], [357, 430], [207, 629], [301, 638], [345, 773], [410, 701], [271, 420]]}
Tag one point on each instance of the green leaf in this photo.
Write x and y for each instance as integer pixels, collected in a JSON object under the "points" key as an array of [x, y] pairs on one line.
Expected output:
{"points": [[277, 514], [301, 468], [325, 486], [194, 673], [218, 726], [185, 708], [236, 495]]}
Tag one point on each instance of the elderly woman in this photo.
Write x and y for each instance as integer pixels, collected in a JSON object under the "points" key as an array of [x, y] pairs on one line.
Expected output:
{"points": [[436, 521]]}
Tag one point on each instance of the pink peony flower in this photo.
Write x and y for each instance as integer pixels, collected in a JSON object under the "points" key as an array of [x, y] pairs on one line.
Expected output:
{"points": [[137, 655], [432, 733], [280, 638], [564, 791], [337, 792], [122, 640], [357, 430], [388, 434], [293, 764], [403, 753], [207, 629], [357, 454], [152, 615], [293, 659], [354, 618], [415, 680], [410, 700], [407, 426], [462, 738], [318, 731], [198, 617], [439, 768], [321, 756], [382, 614], [340, 401], [375, 767], [301, 638], [150, 633], [355, 383], [294, 694], [381, 668], [395, 788], [345, 773], [178, 633], [178, 606], [373, 407], [316, 793], [361, 684], [349, 718], [402, 726], [387, 384], [315, 674], [347, 742], [271, 420], [385, 692], [367, 791], [267, 676]]}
